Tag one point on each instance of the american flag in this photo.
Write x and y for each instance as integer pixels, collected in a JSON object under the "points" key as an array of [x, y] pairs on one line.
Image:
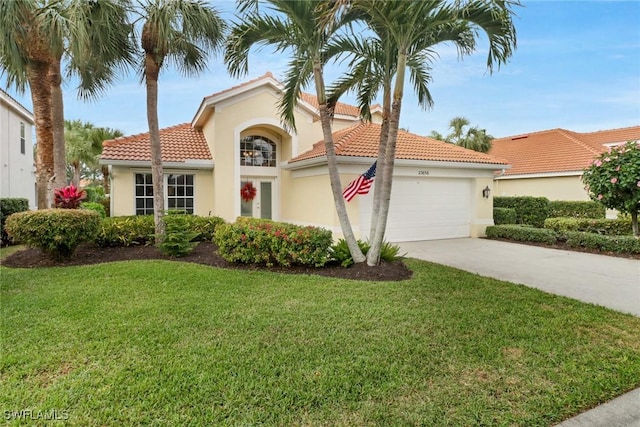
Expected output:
{"points": [[360, 185]]}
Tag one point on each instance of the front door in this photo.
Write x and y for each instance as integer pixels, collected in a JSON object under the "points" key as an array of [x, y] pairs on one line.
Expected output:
{"points": [[261, 205]]}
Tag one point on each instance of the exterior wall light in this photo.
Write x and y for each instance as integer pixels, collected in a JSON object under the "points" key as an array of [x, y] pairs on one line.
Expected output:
{"points": [[485, 192]]}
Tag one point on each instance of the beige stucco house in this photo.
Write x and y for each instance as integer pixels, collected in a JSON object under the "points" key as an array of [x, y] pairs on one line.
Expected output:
{"points": [[236, 142], [17, 179], [550, 163]]}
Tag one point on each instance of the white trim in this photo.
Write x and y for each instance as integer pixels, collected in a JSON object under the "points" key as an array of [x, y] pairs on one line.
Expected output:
{"points": [[540, 175], [238, 170], [317, 161], [187, 164], [16, 107]]}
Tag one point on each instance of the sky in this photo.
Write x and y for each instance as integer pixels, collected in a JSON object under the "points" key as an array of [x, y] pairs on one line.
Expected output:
{"points": [[576, 67]]}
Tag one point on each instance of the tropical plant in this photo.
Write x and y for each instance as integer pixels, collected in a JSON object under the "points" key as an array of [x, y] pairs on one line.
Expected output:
{"points": [[613, 179], [404, 36], [68, 197], [472, 138], [83, 144], [182, 33], [57, 232], [99, 135], [302, 29], [38, 38]]}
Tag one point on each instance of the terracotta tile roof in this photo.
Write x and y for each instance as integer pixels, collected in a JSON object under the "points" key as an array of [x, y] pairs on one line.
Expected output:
{"points": [[556, 150], [178, 143], [341, 108], [362, 141], [612, 136]]}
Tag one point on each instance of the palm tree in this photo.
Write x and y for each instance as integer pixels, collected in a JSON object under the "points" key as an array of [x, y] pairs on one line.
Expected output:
{"points": [[83, 144], [98, 136], [302, 28], [472, 138], [25, 56], [36, 36], [182, 32], [409, 30]]}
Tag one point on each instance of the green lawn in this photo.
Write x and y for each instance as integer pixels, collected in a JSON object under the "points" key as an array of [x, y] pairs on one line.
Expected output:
{"points": [[167, 343]]}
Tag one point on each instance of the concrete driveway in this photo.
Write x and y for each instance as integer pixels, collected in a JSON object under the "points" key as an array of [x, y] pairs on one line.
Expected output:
{"points": [[599, 279]]}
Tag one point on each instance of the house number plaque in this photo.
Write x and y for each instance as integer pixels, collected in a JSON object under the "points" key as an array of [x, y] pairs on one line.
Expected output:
{"points": [[423, 172]]}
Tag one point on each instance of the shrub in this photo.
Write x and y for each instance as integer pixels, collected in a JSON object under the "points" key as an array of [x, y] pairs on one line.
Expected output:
{"points": [[608, 227], [618, 244], [613, 179], [571, 209], [94, 207], [522, 234], [106, 204], [9, 206], [95, 193], [204, 226], [504, 216], [339, 252], [178, 240], [529, 210], [259, 241], [68, 197], [390, 252], [57, 232], [126, 231]]}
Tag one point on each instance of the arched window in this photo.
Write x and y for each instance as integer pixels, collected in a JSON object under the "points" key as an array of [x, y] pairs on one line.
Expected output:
{"points": [[257, 150]]}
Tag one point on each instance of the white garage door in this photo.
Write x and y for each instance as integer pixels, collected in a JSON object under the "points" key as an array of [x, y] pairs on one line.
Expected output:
{"points": [[424, 209]]}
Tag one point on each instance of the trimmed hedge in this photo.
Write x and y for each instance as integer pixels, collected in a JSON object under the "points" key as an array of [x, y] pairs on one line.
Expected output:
{"points": [[529, 210], [126, 231], [205, 226], [522, 233], [504, 216], [607, 227], [618, 244], [571, 209], [57, 232], [260, 241], [140, 229], [9, 206]]}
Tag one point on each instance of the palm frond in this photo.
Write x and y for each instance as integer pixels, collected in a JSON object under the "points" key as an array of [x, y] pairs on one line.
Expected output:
{"points": [[298, 76]]}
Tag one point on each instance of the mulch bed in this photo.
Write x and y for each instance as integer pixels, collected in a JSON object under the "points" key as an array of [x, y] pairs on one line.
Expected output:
{"points": [[206, 254]]}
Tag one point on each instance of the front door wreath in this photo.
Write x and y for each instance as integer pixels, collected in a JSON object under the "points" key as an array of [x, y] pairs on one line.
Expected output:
{"points": [[248, 192]]}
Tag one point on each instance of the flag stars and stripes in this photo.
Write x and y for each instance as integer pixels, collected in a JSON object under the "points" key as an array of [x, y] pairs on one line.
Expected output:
{"points": [[361, 185]]}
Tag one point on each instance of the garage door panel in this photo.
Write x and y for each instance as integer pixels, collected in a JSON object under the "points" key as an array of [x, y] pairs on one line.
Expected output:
{"points": [[425, 209]]}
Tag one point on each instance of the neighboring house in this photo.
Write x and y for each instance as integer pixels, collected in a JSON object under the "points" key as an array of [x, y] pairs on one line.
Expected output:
{"points": [[236, 139], [550, 163], [17, 179]]}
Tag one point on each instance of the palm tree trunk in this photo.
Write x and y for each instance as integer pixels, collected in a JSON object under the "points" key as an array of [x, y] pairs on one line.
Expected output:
{"points": [[76, 174], [332, 164], [384, 136], [373, 256], [41, 99], [57, 117], [105, 181], [152, 69]]}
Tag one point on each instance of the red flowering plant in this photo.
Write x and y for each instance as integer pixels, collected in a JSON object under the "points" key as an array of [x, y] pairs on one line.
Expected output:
{"points": [[68, 197], [613, 179]]}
